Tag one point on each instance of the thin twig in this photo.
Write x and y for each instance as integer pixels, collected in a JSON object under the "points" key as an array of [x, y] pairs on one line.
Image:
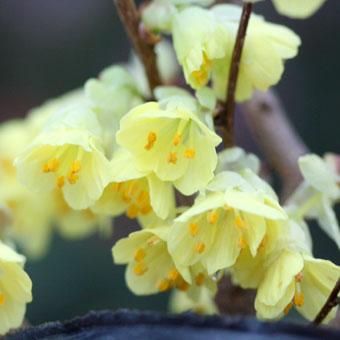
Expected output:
{"points": [[276, 137], [332, 301], [129, 16], [229, 106]]}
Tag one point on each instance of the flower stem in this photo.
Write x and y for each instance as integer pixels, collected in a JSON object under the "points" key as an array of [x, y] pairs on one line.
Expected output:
{"points": [[332, 301], [229, 106], [129, 16]]}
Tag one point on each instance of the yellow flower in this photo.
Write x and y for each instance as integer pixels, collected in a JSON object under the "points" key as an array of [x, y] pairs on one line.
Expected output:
{"points": [[219, 226], [316, 195], [150, 268], [15, 289], [180, 302], [249, 270], [30, 223], [112, 96], [136, 194], [199, 41], [298, 9], [167, 138], [265, 49], [76, 224], [296, 279], [67, 155]]}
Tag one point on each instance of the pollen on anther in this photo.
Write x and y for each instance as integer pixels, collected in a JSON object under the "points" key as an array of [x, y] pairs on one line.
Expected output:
{"points": [[72, 178], [172, 158], [242, 243], [140, 268], [173, 274], [151, 140], [177, 139], [75, 167], [139, 255], [60, 182], [193, 229], [212, 217], [199, 279], [132, 211], [181, 284], [240, 222], [288, 308], [163, 285], [189, 153], [299, 299], [2, 299], [200, 247], [299, 277]]}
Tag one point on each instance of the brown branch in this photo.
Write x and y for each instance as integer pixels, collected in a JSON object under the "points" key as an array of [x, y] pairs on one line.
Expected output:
{"points": [[276, 137], [229, 107], [129, 16], [332, 301]]}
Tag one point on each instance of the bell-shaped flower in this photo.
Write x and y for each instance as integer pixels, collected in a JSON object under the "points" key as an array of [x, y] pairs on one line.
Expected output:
{"points": [[167, 65], [30, 223], [168, 139], [265, 48], [222, 223], [236, 159], [15, 289], [296, 279], [157, 14], [77, 224], [298, 9], [112, 95], [68, 155], [150, 267], [199, 41], [317, 194], [181, 302], [138, 195]]}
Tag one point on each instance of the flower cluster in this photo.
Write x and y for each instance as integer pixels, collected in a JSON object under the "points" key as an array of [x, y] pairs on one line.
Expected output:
{"points": [[107, 149]]}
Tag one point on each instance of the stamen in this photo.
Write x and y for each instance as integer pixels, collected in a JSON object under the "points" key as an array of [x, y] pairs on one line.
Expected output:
{"points": [[189, 153], [51, 165], [193, 229], [199, 279], [144, 210], [2, 299], [212, 217], [299, 277], [139, 255], [177, 139], [299, 299], [173, 274], [199, 247], [140, 268], [288, 308], [163, 285], [132, 211], [152, 137], [75, 167], [72, 178], [60, 182], [240, 223], [181, 284], [172, 158], [242, 242]]}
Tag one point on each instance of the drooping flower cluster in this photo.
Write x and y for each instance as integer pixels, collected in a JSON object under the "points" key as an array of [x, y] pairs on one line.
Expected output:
{"points": [[107, 149]]}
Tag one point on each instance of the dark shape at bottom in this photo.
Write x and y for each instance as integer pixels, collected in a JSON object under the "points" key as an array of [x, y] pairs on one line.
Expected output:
{"points": [[136, 325]]}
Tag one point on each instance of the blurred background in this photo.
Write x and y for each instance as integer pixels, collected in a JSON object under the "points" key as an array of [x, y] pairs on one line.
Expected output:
{"points": [[49, 47]]}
